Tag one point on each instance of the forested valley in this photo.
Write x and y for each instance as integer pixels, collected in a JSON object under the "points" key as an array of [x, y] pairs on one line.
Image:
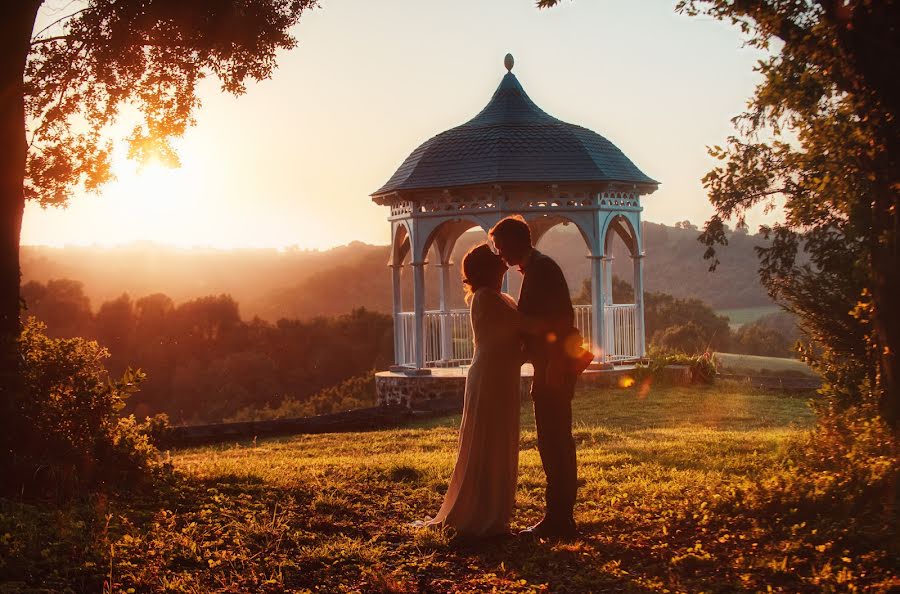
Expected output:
{"points": [[213, 352], [301, 284]]}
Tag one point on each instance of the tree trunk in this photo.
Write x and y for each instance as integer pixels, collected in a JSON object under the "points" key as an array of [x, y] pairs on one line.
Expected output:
{"points": [[16, 25], [886, 297], [870, 41]]}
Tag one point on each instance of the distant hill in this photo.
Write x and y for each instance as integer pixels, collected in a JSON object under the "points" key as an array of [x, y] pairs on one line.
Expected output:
{"points": [[301, 284], [674, 264], [144, 268]]}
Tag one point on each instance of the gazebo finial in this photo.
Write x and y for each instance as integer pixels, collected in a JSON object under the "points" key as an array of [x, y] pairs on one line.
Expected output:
{"points": [[508, 61]]}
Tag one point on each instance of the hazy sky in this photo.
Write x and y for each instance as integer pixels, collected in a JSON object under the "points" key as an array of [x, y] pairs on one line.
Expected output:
{"points": [[294, 160]]}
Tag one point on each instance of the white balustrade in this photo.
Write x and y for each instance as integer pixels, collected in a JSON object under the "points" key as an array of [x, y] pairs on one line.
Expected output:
{"points": [[405, 326], [620, 344], [621, 340], [584, 323]]}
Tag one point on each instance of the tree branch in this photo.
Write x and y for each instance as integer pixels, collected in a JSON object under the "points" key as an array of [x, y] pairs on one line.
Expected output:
{"points": [[35, 42], [58, 21]]}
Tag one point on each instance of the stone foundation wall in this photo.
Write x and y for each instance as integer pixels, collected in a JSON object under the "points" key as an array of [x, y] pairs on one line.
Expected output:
{"points": [[424, 392], [394, 389]]}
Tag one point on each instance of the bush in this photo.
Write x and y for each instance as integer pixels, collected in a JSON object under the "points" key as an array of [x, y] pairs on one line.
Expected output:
{"points": [[686, 338], [356, 392], [832, 503], [758, 339], [72, 435], [846, 468], [703, 367]]}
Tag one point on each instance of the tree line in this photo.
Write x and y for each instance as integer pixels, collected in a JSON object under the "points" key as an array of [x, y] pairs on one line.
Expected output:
{"points": [[203, 362]]}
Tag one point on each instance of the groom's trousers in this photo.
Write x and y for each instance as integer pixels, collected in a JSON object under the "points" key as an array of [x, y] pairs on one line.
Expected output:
{"points": [[553, 418]]}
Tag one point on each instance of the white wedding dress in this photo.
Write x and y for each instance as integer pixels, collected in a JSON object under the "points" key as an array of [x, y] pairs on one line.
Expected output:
{"points": [[482, 492]]}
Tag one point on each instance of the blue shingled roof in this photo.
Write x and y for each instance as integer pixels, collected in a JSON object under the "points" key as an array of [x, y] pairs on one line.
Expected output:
{"points": [[513, 140]]}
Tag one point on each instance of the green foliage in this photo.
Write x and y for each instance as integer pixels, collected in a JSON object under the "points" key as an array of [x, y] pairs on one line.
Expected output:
{"points": [[828, 504], [206, 364], [783, 322], [845, 471], [661, 312], [703, 367], [820, 135], [72, 434], [61, 304], [355, 392], [684, 338], [757, 338]]}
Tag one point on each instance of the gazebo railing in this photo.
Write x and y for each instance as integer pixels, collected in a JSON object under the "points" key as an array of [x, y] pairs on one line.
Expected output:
{"points": [[405, 339], [584, 322], [621, 342], [458, 348]]}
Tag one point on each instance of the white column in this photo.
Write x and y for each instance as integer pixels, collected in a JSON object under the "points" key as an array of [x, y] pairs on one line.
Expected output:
{"points": [[598, 334], [609, 323], [639, 304], [608, 280], [446, 327], [398, 308], [419, 309]]}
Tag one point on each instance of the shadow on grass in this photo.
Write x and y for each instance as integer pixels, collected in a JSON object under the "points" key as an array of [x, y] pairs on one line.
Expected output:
{"points": [[596, 562]]}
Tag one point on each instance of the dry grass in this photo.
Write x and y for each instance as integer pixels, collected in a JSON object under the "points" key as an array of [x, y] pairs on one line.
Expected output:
{"points": [[329, 513]]}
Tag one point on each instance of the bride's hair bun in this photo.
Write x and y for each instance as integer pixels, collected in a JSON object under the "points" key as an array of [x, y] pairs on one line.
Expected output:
{"points": [[478, 269]]}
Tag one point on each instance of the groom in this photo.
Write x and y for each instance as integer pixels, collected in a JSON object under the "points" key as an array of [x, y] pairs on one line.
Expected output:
{"points": [[544, 298]]}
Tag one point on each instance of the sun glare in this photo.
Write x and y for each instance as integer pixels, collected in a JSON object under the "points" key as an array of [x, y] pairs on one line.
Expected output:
{"points": [[159, 202]]}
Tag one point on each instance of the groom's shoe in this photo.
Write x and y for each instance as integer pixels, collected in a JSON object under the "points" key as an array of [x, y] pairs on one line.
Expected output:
{"points": [[552, 530]]}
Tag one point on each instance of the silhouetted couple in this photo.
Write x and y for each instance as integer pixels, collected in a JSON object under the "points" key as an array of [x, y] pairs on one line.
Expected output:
{"points": [[481, 496]]}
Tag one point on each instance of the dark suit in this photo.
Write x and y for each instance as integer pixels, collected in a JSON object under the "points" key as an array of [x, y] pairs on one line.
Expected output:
{"points": [[545, 296]]}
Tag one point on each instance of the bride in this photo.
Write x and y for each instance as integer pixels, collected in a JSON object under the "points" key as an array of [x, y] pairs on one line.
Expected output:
{"points": [[480, 498]]}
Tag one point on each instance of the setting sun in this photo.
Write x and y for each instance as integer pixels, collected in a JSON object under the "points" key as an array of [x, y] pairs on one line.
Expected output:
{"points": [[161, 202]]}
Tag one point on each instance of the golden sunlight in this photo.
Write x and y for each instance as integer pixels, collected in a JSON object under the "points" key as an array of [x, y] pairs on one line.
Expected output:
{"points": [[161, 202], [626, 381]]}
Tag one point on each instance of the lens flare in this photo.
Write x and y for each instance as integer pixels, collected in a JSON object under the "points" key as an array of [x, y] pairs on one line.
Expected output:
{"points": [[644, 388]]}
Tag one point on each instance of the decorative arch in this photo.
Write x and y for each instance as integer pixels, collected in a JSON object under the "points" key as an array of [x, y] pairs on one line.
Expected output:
{"points": [[540, 224], [446, 234], [401, 243], [626, 226]]}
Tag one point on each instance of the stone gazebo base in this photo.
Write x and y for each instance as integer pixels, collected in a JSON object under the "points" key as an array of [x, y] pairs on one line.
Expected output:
{"points": [[444, 385]]}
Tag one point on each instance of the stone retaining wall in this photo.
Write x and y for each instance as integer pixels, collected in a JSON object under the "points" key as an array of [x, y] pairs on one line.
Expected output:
{"points": [[418, 391]]}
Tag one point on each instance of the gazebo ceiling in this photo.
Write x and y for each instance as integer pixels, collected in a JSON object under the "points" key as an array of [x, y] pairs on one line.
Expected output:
{"points": [[512, 140]]}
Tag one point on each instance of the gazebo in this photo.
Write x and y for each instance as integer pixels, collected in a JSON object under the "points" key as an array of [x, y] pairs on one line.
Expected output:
{"points": [[512, 158]]}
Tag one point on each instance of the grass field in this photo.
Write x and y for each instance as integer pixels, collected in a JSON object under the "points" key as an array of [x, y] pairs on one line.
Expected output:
{"points": [[744, 315], [753, 364], [329, 513]]}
